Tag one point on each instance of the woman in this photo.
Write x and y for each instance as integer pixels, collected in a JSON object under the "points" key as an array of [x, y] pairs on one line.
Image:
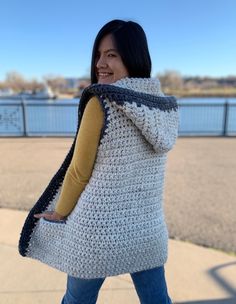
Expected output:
{"points": [[102, 214]]}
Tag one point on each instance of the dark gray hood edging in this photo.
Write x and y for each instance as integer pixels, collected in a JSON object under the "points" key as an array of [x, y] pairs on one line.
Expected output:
{"points": [[121, 95]]}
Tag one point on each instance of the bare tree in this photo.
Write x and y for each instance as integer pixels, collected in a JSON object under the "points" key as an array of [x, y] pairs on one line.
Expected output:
{"points": [[15, 81], [34, 85], [171, 80], [2, 85], [56, 83]]}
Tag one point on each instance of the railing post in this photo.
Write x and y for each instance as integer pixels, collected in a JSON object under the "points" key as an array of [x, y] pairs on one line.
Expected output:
{"points": [[226, 114], [24, 117]]}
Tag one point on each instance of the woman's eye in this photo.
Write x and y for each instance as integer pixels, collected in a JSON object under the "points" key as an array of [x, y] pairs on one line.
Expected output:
{"points": [[111, 55]]}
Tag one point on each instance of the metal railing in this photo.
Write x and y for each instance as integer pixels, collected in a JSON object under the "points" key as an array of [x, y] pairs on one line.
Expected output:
{"points": [[207, 119], [38, 119], [60, 119]]}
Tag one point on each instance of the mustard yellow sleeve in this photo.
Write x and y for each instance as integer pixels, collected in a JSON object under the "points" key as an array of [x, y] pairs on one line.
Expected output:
{"points": [[80, 169]]}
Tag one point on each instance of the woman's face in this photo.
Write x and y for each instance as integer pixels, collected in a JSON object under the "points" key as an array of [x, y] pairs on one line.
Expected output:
{"points": [[108, 64]]}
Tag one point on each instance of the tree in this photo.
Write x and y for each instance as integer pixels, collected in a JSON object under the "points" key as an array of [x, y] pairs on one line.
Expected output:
{"points": [[171, 80], [15, 81], [56, 83], [34, 85]]}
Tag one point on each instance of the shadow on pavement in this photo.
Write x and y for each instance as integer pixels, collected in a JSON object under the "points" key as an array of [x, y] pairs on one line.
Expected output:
{"points": [[215, 275], [216, 301]]}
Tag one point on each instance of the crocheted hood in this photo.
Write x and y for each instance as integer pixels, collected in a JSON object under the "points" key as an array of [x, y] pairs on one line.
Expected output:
{"points": [[142, 100]]}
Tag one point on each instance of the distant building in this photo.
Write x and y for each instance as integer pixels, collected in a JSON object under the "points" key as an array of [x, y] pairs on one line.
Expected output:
{"points": [[71, 83], [76, 83]]}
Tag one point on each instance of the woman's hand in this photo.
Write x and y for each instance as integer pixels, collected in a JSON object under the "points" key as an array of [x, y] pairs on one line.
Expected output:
{"points": [[50, 215]]}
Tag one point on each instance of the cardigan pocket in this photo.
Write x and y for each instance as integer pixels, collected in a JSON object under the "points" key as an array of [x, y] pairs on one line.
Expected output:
{"points": [[56, 222], [50, 230], [47, 241]]}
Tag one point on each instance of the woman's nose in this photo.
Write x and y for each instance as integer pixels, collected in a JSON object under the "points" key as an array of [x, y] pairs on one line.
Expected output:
{"points": [[101, 62]]}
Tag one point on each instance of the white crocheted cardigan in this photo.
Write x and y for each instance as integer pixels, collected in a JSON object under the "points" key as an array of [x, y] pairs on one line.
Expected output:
{"points": [[118, 224]]}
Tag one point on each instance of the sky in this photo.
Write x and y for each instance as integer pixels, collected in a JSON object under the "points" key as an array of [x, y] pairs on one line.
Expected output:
{"points": [[192, 37]]}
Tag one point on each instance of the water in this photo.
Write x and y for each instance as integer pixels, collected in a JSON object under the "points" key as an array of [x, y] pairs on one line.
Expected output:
{"points": [[198, 116]]}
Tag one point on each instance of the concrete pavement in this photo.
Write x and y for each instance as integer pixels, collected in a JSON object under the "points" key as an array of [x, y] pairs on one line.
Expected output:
{"points": [[195, 275]]}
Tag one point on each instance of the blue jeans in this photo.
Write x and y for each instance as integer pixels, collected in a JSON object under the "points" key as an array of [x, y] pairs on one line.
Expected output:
{"points": [[150, 286]]}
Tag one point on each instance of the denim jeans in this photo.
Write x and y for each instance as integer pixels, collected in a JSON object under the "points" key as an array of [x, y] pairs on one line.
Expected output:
{"points": [[150, 286]]}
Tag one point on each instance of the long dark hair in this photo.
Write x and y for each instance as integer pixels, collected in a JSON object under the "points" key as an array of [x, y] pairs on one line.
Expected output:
{"points": [[131, 43]]}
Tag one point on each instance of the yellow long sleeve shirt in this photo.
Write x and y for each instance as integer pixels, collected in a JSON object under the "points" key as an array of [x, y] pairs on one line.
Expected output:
{"points": [[81, 167]]}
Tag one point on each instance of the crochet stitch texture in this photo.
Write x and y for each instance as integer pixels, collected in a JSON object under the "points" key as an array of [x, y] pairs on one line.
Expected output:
{"points": [[118, 224]]}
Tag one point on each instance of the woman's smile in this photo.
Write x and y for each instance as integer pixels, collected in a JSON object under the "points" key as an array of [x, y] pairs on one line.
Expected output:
{"points": [[109, 65]]}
